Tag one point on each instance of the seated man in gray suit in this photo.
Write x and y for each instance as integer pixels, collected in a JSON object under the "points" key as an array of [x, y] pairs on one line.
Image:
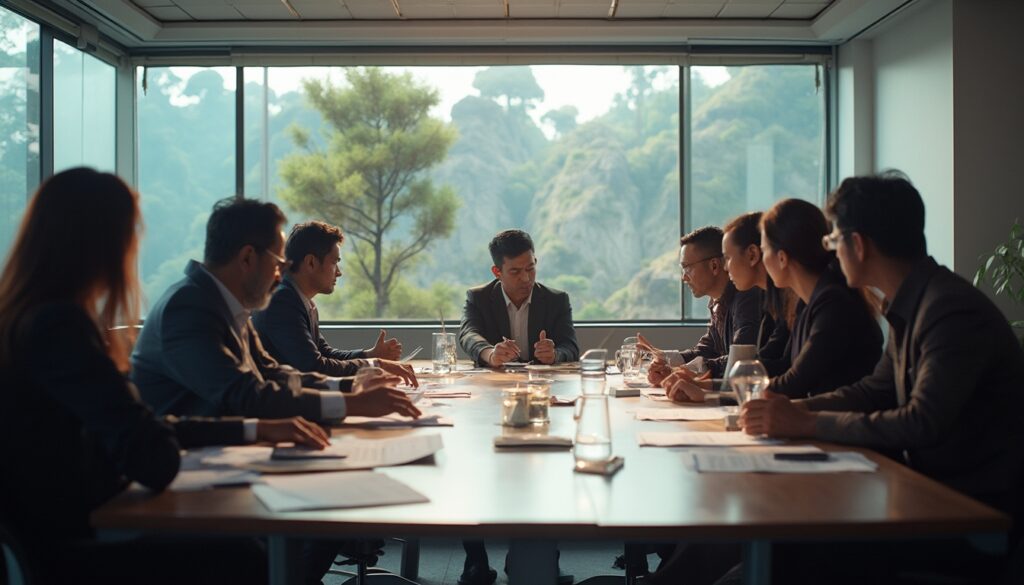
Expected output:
{"points": [[198, 353], [515, 318], [946, 395], [290, 325]]}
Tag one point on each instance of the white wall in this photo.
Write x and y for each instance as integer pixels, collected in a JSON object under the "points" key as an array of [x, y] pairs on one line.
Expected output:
{"points": [[913, 112]]}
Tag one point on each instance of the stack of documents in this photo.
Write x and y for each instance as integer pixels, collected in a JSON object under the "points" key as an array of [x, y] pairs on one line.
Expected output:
{"points": [[702, 439], [765, 461], [683, 413], [288, 493], [395, 421], [351, 453], [201, 479]]}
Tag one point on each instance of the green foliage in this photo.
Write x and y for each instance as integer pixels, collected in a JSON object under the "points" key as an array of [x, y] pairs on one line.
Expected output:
{"points": [[372, 178], [1004, 268], [516, 84], [563, 120]]}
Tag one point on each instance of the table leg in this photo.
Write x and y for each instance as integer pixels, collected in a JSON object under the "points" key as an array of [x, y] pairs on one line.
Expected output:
{"points": [[532, 562], [757, 562], [284, 556]]}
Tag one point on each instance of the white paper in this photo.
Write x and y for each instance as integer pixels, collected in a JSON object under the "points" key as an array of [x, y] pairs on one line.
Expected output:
{"points": [[702, 439], [354, 489], [683, 413], [202, 479], [352, 453], [731, 461], [396, 421]]}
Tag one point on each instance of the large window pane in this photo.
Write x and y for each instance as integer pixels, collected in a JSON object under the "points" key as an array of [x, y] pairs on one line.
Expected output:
{"points": [[186, 144], [757, 136], [19, 120], [585, 158], [84, 119]]}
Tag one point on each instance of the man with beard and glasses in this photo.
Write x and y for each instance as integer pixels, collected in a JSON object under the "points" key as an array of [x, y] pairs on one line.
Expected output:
{"points": [[198, 353]]}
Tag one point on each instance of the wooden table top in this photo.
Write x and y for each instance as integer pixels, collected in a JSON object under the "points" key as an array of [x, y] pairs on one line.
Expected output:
{"points": [[475, 491]]}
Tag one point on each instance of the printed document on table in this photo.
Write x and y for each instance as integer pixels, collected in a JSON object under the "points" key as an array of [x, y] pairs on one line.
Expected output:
{"points": [[392, 421], [683, 413], [701, 439], [349, 452], [730, 461], [202, 479], [320, 491]]}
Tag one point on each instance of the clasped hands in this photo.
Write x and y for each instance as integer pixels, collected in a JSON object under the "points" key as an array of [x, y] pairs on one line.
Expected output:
{"points": [[508, 350]]}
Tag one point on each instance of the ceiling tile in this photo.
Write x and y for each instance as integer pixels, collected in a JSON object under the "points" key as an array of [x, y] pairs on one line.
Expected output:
{"points": [[799, 9], [321, 9], [263, 11], [147, 3], [749, 9], [522, 10], [488, 10], [167, 13], [210, 11], [640, 8], [584, 8], [423, 9], [371, 9], [687, 10]]}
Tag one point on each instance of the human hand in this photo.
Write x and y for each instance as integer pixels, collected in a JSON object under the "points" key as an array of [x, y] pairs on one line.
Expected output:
{"points": [[643, 344], [295, 429], [374, 394], [403, 371], [505, 351], [657, 372], [544, 349], [686, 390], [386, 349], [777, 416]]}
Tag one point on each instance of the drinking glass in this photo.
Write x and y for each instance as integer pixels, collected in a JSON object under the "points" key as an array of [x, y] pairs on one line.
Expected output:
{"points": [[515, 406], [748, 379], [444, 353]]}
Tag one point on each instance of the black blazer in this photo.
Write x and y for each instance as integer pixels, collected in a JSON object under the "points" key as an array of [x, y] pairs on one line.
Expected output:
{"points": [[947, 392], [735, 320], [188, 360], [835, 341], [73, 432], [292, 337], [485, 321]]}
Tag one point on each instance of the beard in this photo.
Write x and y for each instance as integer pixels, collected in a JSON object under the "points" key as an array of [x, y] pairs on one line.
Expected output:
{"points": [[257, 296]]}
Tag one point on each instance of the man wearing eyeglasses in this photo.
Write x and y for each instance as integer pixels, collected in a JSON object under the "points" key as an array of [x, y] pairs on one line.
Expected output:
{"points": [[735, 315], [199, 354]]}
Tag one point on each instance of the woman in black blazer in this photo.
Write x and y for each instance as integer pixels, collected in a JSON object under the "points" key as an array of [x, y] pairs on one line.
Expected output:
{"points": [[835, 338], [72, 431]]}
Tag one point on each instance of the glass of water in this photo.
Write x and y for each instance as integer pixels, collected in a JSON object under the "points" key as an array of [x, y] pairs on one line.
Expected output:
{"points": [[444, 353], [748, 379]]}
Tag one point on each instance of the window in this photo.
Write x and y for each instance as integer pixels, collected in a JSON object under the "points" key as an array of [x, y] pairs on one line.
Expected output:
{"points": [[585, 158], [186, 149], [421, 166], [19, 120], [83, 110]]}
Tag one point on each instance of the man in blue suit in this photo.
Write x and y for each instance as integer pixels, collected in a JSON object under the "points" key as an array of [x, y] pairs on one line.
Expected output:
{"points": [[199, 354], [290, 325]]}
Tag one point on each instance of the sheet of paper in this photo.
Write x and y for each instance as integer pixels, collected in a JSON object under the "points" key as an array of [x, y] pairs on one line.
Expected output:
{"points": [[395, 421], [448, 394], [701, 439], [683, 413], [352, 453], [202, 479], [354, 489], [731, 461]]}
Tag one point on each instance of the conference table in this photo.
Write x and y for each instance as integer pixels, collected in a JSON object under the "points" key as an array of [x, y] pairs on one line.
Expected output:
{"points": [[535, 498]]}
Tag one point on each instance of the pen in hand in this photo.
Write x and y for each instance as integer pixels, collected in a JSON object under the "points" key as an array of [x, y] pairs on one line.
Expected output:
{"points": [[515, 345]]}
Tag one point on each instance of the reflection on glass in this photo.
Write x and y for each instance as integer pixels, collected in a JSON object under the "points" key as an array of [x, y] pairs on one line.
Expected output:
{"points": [[19, 120], [84, 119], [186, 146]]}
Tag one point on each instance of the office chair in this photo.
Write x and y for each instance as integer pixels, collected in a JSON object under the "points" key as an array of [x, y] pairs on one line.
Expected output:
{"points": [[366, 573]]}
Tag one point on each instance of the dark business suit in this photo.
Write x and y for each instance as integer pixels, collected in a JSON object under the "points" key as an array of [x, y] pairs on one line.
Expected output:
{"points": [[188, 360], [485, 321], [835, 341], [72, 435], [735, 319], [292, 336]]}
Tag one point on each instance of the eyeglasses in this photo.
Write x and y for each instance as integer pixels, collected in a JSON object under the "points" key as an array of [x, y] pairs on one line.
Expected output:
{"points": [[282, 262], [688, 268], [831, 241]]}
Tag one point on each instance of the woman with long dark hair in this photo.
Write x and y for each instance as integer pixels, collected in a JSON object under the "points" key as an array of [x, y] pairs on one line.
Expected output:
{"points": [[835, 338], [72, 431]]}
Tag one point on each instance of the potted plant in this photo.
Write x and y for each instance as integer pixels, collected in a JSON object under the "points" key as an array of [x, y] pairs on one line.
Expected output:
{"points": [[1004, 269]]}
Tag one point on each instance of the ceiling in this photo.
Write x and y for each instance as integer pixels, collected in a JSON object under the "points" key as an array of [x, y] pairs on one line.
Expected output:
{"points": [[249, 10], [150, 26]]}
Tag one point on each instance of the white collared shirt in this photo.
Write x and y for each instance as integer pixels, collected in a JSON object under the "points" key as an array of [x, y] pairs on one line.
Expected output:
{"points": [[519, 321], [332, 402]]}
